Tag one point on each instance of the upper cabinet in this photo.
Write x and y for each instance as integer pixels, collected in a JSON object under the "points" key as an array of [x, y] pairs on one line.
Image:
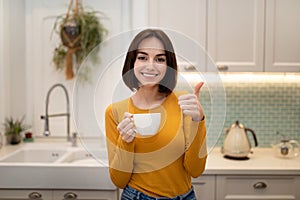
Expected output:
{"points": [[239, 36], [188, 20], [282, 35], [254, 35], [236, 34]]}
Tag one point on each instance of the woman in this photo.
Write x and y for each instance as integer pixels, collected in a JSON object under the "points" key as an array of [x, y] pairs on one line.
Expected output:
{"points": [[159, 166]]}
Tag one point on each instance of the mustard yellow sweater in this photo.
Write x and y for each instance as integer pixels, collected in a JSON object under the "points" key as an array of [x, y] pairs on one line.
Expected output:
{"points": [[159, 165]]}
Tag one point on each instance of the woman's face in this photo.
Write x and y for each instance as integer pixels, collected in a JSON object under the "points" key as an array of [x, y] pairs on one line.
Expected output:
{"points": [[151, 64]]}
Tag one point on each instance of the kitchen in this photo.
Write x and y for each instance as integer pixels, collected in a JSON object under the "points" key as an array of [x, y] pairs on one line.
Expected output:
{"points": [[249, 36]]}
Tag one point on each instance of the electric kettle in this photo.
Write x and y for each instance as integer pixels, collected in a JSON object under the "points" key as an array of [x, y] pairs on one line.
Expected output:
{"points": [[236, 142]]}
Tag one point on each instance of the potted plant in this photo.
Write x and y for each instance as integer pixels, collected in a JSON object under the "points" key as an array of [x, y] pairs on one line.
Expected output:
{"points": [[13, 128], [80, 32]]}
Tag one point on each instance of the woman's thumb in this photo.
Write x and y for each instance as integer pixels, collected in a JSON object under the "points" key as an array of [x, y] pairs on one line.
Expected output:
{"points": [[197, 88]]}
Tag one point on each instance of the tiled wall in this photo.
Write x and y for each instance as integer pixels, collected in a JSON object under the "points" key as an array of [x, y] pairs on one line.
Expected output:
{"points": [[266, 104]]}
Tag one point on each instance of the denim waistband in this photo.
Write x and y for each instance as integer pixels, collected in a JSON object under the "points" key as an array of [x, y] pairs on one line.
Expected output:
{"points": [[131, 193]]}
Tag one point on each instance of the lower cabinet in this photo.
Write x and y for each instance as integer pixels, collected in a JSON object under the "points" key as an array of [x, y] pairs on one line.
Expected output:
{"points": [[257, 187], [85, 195], [212, 187], [204, 187], [11, 194], [247, 187]]}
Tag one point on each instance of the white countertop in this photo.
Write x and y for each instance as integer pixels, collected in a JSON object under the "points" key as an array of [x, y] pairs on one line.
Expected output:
{"points": [[262, 161], [87, 176]]}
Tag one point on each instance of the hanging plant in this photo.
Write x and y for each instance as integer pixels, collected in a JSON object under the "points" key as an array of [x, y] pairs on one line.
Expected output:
{"points": [[80, 32]]}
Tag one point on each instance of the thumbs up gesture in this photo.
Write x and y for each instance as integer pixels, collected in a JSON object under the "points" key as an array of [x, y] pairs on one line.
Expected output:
{"points": [[190, 104]]}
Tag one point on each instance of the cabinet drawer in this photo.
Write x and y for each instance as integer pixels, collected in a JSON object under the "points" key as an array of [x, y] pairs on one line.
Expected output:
{"points": [[253, 187], [85, 194], [14, 194]]}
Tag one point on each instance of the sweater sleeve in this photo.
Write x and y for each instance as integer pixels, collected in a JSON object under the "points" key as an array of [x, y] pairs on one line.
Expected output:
{"points": [[196, 151], [120, 153]]}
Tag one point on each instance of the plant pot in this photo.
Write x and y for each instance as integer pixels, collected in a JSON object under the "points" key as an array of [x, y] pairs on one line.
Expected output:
{"points": [[13, 139]]}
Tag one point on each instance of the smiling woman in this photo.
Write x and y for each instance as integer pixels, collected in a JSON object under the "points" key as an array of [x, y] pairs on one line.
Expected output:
{"points": [[144, 165]]}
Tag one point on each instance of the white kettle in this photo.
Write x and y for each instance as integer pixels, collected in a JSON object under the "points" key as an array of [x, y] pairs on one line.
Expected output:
{"points": [[236, 142]]}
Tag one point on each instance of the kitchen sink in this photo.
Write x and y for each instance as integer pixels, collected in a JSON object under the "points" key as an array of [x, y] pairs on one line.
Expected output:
{"points": [[84, 157], [28, 155], [62, 165], [56, 154]]}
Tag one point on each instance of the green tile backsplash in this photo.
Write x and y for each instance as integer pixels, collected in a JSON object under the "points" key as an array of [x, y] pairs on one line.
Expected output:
{"points": [[264, 106]]}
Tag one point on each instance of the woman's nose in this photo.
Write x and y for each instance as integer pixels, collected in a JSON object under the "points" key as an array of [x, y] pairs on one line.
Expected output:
{"points": [[151, 63], [150, 66]]}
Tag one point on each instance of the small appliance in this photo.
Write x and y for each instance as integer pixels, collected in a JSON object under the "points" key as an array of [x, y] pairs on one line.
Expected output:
{"points": [[236, 143]]}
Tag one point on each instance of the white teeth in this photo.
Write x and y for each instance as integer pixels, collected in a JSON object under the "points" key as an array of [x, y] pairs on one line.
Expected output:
{"points": [[149, 75]]}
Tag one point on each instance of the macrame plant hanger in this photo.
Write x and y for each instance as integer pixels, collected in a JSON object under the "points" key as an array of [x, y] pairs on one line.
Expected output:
{"points": [[70, 35]]}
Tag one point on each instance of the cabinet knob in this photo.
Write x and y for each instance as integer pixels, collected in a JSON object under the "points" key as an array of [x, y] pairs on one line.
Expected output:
{"points": [[70, 195], [222, 67], [35, 195], [260, 185]]}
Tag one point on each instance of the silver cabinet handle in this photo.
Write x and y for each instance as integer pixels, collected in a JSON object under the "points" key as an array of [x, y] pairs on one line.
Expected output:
{"points": [[260, 185], [222, 67], [70, 195], [35, 195]]}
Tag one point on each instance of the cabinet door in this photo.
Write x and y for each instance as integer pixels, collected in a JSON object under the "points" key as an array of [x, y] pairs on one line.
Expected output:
{"points": [[236, 34], [283, 35], [257, 187], [25, 194], [85, 194], [204, 187], [187, 18]]}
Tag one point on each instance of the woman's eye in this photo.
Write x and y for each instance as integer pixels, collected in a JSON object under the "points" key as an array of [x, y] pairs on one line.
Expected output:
{"points": [[161, 60], [142, 58]]}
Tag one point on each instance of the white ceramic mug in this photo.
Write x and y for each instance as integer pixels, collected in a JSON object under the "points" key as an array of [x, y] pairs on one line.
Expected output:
{"points": [[147, 124]]}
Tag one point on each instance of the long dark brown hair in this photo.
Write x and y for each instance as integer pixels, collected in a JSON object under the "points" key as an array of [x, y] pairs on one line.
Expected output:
{"points": [[168, 83]]}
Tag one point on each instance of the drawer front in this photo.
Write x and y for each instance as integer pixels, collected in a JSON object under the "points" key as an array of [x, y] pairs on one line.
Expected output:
{"points": [[264, 187]]}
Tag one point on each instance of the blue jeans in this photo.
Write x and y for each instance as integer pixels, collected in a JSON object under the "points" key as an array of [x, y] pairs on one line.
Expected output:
{"points": [[133, 194]]}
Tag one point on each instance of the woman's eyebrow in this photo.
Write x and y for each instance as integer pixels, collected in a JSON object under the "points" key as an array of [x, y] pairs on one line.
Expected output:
{"points": [[141, 52], [161, 54]]}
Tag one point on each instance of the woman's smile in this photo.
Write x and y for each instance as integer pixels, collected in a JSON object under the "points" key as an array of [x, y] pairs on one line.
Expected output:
{"points": [[149, 75]]}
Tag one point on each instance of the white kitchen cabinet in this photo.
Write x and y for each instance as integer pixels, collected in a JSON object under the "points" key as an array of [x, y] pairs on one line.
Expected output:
{"points": [[17, 194], [13, 194], [235, 34], [251, 187], [282, 35], [85, 194], [254, 35], [186, 18], [204, 187]]}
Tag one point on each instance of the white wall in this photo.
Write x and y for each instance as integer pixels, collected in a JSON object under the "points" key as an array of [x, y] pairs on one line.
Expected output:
{"points": [[12, 62], [41, 74], [2, 113], [26, 72]]}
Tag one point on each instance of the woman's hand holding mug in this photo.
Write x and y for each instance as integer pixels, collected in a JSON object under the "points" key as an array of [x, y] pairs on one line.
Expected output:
{"points": [[126, 128]]}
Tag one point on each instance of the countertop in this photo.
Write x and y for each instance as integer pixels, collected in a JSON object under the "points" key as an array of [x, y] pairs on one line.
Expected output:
{"points": [[261, 161], [63, 176]]}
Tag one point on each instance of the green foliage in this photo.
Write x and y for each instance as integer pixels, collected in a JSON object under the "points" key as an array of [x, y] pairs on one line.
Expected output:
{"points": [[14, 126], [92, 33]]}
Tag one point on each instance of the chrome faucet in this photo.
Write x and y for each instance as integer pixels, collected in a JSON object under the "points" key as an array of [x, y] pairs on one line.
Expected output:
{"points": [[67, 114]]}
